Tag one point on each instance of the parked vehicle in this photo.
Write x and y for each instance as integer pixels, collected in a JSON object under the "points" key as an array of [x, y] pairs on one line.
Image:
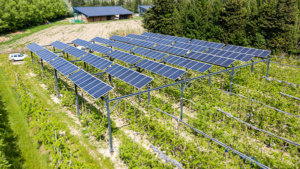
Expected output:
{"points": [[16, 57]]}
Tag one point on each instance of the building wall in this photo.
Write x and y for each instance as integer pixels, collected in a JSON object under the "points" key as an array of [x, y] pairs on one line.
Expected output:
{"points": [[126, 16], [104, 18]]}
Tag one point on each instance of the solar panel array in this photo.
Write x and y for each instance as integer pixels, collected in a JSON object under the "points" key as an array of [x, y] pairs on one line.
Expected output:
{"points": [[74, 51], [160, 41], [34, 47], [125, 57], [99, 48], [245, 50], [123, 46], [186, 63], [120, 38], [63, 66], [81, 42], [129, 76], [59, 45], [96, 61], [231, 55], [213, 45], [175, 38], [134, 36], [101, 40], [171, 49], [190, 46], [90, 84], [154, 35], [161, 69], [216, 60], [46, 55], [149, 53], [141, 43]]}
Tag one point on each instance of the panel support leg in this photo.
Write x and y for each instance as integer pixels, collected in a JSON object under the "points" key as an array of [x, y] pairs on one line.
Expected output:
{"points": [[149, 96], [181, 101], [57, 88], [231, 82], [67, 56], [53, 48], [139, 96], [268, 66], [31, 58], [42, 64], [252, 66], [109, 124], [77, 102]]}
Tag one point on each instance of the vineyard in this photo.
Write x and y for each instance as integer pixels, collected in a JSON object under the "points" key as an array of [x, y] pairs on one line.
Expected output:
{"points": [[246, 116]]}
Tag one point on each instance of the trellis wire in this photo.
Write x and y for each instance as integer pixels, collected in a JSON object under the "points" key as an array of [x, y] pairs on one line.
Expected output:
{"points": [[279, 81], [296, 98], [258, 129], [165, 157], [216, 141]]}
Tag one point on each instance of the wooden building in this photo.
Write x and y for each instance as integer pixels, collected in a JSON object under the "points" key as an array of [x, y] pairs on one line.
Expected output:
{"points": [[102, 13]]}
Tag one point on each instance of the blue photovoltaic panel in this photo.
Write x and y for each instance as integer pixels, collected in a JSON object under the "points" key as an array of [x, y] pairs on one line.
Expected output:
{"points": [[231, 55], [190, 46], [59, 45], [74, 51], [141, 43], [92, 85], [177, 39], [149, 53], [134, 36], [160, 41], [216, 60], [102, 40], [171, 50], [99, 48], [248, 51], [154, 35], [63, 66], [120, 38], [121, 45], [186, 63], [125, 57], [81, 42], [46, 55], [96, 61], [129, 76], [213, 45], [161, 69], [34, 47]]}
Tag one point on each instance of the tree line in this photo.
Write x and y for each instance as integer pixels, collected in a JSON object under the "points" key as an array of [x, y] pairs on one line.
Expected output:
{"points": [[265, 24], [17, 14]]}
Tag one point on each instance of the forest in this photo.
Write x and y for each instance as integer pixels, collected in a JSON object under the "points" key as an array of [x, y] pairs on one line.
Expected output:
{"points": [[265, 24]]}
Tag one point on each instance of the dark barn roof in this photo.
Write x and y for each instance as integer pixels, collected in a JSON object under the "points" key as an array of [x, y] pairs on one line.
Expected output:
{"points": [[102, 11], [145, 6]]}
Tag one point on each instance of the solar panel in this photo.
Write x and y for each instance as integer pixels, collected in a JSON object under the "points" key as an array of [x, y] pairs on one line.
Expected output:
{"points": [[46, 55], [171, 50], [213, 45], [186, 63], [190, 46], [102, 40], [134, 36], [59, 45], [123, 46], [154, 35], [216, 60], [160, 41], [99, 48], [120, 38], [81, 42], [34, 47], [74, 51], [141, 43], [249, 51], [149, 53], [92, 85], [125, 57], [63, 66], [231, 55], [177, 39], [263, 54], [96, 61], [129, 76], [161, 69]]}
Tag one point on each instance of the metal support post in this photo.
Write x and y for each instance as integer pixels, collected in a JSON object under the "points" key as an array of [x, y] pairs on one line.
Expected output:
{"points": [[31, 57], [53, 48], [181, 101], [252, 65], [42, 67], [231, 81], [67, 55], [109, 125], [209, 81], [268, 66], [139, 95], [57, 88], [77, 104], [109, 78], [148, 87]]}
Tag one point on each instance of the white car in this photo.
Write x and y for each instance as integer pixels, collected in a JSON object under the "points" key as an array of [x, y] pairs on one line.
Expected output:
{"points": [[16, 57], [80, 47]]}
